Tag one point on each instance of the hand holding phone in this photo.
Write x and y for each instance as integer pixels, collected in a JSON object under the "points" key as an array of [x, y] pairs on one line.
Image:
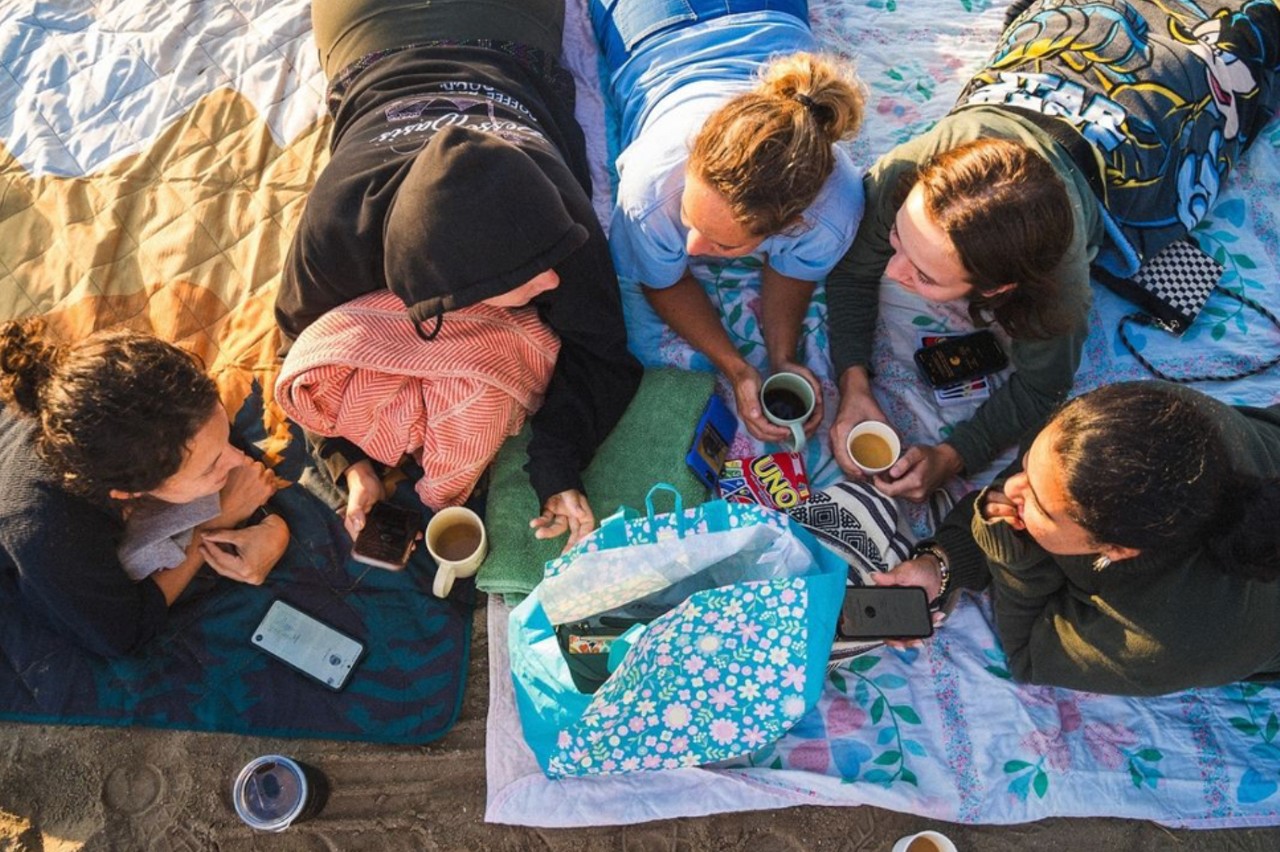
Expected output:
{"points": [[386, 540], [885, 612]]}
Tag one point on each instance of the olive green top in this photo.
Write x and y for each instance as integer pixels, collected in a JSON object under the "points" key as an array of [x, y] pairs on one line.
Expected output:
{"points": [[1043, 369], [1156, 623]]}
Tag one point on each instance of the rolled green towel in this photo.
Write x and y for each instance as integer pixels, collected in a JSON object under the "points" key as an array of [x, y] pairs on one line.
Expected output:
{"points": [[646, 447]]}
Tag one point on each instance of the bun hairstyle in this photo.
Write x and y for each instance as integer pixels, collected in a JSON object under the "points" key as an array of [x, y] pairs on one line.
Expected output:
{"points": [[1146, 466], [768, 151], [115, 410], [27, 361]]}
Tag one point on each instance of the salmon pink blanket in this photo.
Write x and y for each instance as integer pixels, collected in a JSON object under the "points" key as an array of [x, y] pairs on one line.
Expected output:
{"points": [[361, 372]]}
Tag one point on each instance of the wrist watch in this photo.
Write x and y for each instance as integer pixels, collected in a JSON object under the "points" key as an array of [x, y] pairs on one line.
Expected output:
{"points": [[944, 568]]}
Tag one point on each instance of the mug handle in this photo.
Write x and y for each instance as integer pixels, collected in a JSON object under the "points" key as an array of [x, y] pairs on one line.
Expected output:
{"points": [[797, 437], [442, 585]]}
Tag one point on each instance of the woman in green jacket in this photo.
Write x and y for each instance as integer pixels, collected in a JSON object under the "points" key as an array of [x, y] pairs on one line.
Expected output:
{"points": [[1134, 548]]}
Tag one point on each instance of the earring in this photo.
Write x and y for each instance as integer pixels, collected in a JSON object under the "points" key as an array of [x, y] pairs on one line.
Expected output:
{"points": [[1101, 562]]}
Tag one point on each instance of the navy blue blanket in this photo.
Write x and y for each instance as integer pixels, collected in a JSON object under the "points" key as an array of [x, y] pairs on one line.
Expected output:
{"points": [[202, 673]]}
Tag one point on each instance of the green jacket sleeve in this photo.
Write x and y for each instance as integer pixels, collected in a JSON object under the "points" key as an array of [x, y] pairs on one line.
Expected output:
{"points": [[1057, 632], [1043, 372], [1024, 579], [853, 286]]}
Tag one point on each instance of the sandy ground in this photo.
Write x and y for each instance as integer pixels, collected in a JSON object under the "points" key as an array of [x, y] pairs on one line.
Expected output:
{"points": [[69, 788]]}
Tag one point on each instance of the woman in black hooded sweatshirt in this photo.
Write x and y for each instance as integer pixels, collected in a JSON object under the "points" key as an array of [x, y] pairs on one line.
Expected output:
{"points": [[458, 175]]}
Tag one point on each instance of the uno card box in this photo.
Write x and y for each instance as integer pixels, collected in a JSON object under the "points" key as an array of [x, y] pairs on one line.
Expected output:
{"points": [[716, 429], [776, 480]]}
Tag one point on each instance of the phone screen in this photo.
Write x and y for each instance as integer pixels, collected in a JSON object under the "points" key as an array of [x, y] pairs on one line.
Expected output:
{"points": [[307, 645], [958, 359]]}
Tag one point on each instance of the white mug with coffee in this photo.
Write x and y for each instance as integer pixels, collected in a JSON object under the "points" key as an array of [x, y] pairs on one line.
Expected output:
{"points": [[873, 446], [457, 541], [925, 841], [787, 400]]}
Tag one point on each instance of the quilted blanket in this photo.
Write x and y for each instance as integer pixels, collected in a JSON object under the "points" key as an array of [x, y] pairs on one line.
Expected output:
{"points": [[155, 157], [942, 731], [154, 160]]}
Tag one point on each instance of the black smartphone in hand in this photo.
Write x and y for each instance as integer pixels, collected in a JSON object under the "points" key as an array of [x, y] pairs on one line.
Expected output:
{"points": [[959, 359], [885, 612], [387, 537]]}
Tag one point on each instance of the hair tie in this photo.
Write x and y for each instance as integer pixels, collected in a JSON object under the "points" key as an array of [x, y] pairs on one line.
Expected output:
{"points": [[431, 335]]}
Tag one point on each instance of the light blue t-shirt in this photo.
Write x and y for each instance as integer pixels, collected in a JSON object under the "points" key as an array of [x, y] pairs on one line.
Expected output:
{"points": [[666, 92]]}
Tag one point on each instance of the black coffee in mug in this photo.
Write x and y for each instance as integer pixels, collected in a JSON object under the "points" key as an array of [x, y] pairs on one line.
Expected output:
{"points": [[784, 404]]}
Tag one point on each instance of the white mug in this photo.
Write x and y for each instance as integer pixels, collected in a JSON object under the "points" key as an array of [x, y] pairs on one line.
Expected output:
{"points": [[457, 541], [925, 841], [793, 401], [885, 433]]}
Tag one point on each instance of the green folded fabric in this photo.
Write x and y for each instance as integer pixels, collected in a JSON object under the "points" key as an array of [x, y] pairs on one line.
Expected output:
{"points": [[646, 447]]}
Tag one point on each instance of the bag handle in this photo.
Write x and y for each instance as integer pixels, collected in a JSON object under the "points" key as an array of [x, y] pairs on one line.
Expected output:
{"points": [[1145, 319], [679, 507]]}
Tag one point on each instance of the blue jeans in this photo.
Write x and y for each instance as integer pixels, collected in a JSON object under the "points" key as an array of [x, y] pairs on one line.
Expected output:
{"points": [[622, 25]]}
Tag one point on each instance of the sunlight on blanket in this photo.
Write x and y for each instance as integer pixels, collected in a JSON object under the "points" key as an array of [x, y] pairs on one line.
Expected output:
{"points": [[184, 240]]}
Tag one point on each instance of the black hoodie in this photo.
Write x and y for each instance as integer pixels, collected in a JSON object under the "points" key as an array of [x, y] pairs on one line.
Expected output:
{"points": [[457, 175]]}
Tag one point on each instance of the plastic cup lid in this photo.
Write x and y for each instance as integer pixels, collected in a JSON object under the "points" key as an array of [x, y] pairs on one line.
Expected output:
{"points": [[270, 792]]}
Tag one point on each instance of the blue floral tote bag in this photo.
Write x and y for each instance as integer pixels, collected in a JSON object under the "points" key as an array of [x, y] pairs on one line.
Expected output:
{"points": [[730, 611]]}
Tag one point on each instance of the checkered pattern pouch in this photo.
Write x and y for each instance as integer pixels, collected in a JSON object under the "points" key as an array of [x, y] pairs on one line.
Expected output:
{"points": [[1172, 286]]}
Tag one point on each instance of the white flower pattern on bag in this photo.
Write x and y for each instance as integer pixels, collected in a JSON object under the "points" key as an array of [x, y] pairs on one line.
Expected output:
{"points": [[718, 676]]}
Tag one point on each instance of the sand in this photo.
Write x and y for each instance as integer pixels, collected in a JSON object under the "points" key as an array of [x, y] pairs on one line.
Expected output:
{"points": [[86, 788]]}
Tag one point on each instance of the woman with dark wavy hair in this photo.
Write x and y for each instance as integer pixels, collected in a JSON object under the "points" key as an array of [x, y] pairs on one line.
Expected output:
{"points": [[1095, 137], [113, 425], [1133, 550]]}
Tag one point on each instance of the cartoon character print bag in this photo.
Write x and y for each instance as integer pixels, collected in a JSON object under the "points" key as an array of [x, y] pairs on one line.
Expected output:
{"points": [[729, 611]]}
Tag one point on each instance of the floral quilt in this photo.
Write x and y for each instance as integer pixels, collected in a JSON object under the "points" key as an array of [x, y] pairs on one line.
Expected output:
{"points": [[941, 730]]}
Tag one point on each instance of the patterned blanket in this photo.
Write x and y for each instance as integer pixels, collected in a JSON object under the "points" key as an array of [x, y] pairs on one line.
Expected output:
{"points": [[942, 731], [155, 158], [154, 161]]}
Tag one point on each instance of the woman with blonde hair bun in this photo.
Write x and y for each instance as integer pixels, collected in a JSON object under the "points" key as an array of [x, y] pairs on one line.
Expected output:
{"points": [[729, 125]]}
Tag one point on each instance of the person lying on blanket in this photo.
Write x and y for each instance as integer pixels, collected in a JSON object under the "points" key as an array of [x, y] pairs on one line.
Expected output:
{"points": [[728, 129], [116, 423], [457, 177], [1133, 550], [1004, 204]]}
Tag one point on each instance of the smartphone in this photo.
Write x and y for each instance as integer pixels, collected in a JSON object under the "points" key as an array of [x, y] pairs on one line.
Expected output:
{"points": [[885, 612], [307, 645], [959, 359], [387, 537]]}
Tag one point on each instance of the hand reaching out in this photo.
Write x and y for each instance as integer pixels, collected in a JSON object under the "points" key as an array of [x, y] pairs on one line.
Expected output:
{"points": [[923, 571], [567, 511], [364, 488], [920, 471]]}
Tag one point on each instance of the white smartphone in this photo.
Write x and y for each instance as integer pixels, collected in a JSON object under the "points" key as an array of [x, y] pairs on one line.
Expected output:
{"points": [[307, 645]]}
